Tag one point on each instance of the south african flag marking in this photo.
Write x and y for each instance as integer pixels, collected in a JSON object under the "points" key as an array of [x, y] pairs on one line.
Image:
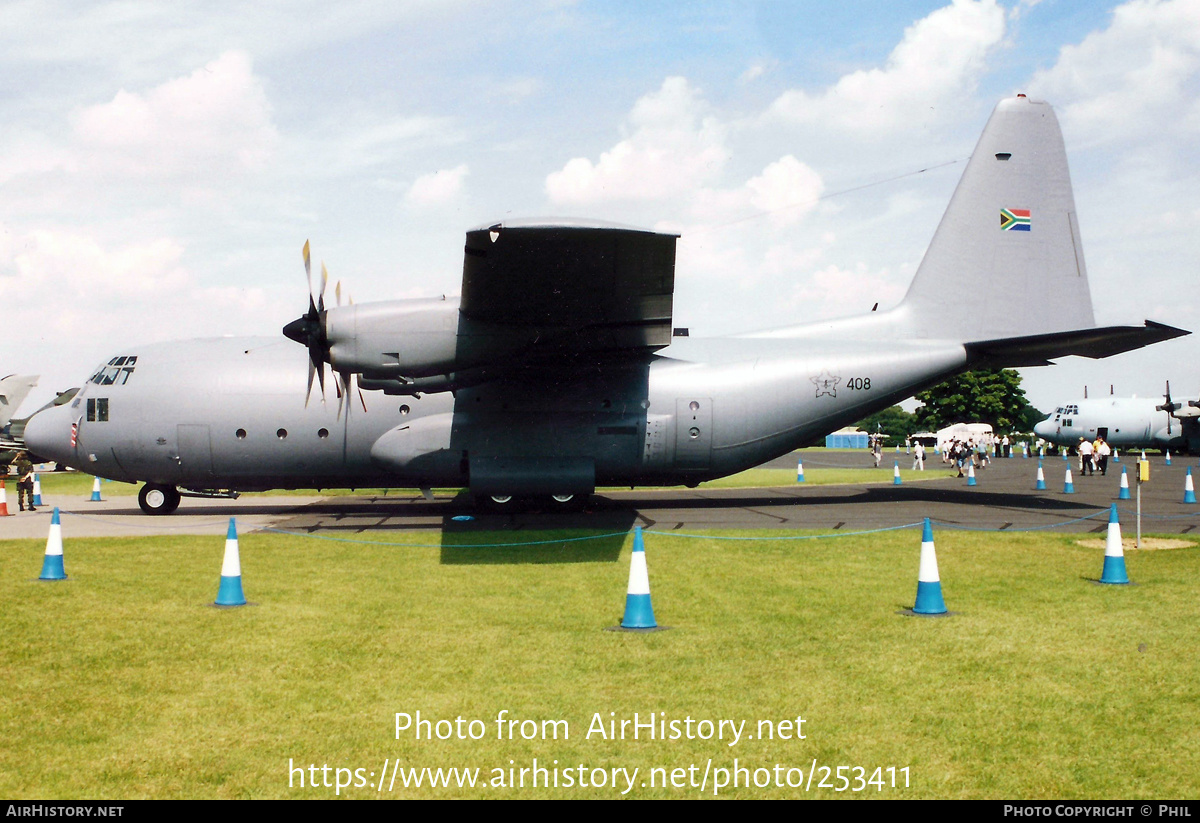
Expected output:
{"points": [[1015, 220]]}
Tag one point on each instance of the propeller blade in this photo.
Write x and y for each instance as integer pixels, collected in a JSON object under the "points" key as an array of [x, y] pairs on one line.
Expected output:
{"points": [[308, 266], [324, 282], [337, 291], [311, 373]]}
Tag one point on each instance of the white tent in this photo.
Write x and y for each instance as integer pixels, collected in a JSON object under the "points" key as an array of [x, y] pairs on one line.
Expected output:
{"points": [[973, 433]]}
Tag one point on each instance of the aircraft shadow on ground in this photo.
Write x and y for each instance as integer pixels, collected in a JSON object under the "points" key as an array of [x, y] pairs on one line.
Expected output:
{"points": [[535, 537]]}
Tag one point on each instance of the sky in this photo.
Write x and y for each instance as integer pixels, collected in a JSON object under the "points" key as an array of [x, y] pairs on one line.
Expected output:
{"points": [[162, 164]]}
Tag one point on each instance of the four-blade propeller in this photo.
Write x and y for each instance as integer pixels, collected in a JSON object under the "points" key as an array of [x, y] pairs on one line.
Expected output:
{"points": [[309, 330]]}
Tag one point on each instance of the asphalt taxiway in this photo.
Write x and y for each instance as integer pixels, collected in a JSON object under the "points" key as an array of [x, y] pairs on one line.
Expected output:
{"points": [[1004, 498]]}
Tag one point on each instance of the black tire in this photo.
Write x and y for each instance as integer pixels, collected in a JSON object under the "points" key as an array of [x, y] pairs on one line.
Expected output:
{"points": [[158, 499], [499, 503], [566, 502]]}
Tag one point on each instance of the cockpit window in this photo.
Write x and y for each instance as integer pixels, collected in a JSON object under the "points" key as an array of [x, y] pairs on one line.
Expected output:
{"points": [[115, 372]]}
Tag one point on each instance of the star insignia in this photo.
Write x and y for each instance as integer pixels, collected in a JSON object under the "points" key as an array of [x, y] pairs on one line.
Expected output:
{"points": [[826, 383]]}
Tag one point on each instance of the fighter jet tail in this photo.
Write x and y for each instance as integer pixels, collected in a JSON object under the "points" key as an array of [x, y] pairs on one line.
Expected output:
{"points": [[13, 390]]}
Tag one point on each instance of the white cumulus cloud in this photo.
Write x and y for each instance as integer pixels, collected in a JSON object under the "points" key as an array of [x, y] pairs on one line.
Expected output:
{"points": [[437, 188], [939, 61], [215, 120]]}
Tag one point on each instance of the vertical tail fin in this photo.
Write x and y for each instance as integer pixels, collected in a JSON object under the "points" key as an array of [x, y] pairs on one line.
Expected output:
{"points": [[1006, 260]]}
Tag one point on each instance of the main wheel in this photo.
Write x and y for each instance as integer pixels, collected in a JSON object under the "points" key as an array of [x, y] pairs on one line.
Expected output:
{"points": [[567, 502], [158, 499]]}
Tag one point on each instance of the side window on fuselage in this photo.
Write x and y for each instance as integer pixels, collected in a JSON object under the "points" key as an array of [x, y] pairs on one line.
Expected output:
{"points": [[97, 409]]}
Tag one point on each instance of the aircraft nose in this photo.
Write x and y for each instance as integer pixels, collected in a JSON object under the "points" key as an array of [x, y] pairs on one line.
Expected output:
{"points": [[48, 435], [1043, 429]]}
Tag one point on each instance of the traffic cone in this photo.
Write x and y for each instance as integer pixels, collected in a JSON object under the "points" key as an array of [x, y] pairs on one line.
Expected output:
{"points": [[896, 473], [1189, 491], [929, 585], [799, 470], [1168, 457], [3, 500], [95, 498], [1025, 451], [37, 490], [1123, 494], [52, 565], [230, 592], [1068, 485], [1066, 457], [1116, 456], [1114, 554], [639, 614], [971, 475], [1041, 476]]}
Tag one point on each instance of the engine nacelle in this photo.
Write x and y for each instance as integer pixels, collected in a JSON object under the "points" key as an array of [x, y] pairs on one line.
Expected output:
{"points": [[409, 338]]}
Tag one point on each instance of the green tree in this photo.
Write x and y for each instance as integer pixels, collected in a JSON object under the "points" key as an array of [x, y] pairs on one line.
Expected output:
{"points": [[894, 421], [990, 396]]}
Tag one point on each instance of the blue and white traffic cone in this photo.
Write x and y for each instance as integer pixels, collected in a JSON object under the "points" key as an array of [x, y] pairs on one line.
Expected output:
{"points": [[1068, 484], [52, 565], [230, 592], [639, 614], [1189, 491], [1123, 494], [1025, 451], [1114, 554], [929, 585], [1041, 477], [799, 470], [1168, 457], [896, 473], [95, 498], [1066, 456], [1116, 456], [37, 490], [971, 475]]}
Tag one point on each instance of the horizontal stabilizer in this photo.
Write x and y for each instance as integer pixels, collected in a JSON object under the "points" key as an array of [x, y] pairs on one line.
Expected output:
{"points": [[1038, 349]]}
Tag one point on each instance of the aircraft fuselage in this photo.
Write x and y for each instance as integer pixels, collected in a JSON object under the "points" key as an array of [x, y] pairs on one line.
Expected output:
{"points": [[230, 414]]}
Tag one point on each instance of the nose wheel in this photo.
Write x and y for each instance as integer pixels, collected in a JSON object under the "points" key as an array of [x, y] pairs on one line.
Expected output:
{"points": [[155, 498]]}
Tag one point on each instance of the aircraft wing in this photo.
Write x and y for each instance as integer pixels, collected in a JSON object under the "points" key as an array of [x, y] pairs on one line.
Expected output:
{"points": [[579, 287], [1037, 349], [13, 390]]}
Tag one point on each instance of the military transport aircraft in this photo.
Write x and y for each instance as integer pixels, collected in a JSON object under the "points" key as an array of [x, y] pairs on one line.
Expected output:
{"points": [[556, 370], [1126, 423]]}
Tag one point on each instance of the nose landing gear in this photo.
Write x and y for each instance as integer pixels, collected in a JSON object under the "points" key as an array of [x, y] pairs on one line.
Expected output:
{"points": [[155, 498]]}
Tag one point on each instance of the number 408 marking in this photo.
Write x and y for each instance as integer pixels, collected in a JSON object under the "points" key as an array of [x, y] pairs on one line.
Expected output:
{"points": [[859, 384]]}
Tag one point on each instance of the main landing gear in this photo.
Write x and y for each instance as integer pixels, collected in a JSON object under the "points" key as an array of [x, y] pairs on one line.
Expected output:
{"points": [[504, 503], [158, 499]]}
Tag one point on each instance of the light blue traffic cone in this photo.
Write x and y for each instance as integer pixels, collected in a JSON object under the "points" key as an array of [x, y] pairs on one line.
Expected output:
{"points": [[230, 592], [799, 470], [929, 585], [1114, 554], [896, 473], [639, 614], [1041, 476], [971, 475], [1116, 456], [1189, 491], [1068, 484], [1168, 457], [95, 498], [52, 565], [37, 490], [1123, 494]]}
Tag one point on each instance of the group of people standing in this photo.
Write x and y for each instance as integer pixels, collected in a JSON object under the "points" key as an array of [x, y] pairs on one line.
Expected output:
{"points": [[1093, 455]]}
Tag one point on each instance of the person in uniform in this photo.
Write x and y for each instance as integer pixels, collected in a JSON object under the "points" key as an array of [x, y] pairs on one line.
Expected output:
{"points": [[24, 480]]}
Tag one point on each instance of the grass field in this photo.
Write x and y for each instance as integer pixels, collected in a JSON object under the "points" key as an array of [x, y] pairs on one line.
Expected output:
{"points": [[79, 484], [121, 682]]}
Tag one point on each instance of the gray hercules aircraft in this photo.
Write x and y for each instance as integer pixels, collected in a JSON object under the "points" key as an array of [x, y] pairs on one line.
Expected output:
{"points": [[557, 370], [1126, 423]]}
